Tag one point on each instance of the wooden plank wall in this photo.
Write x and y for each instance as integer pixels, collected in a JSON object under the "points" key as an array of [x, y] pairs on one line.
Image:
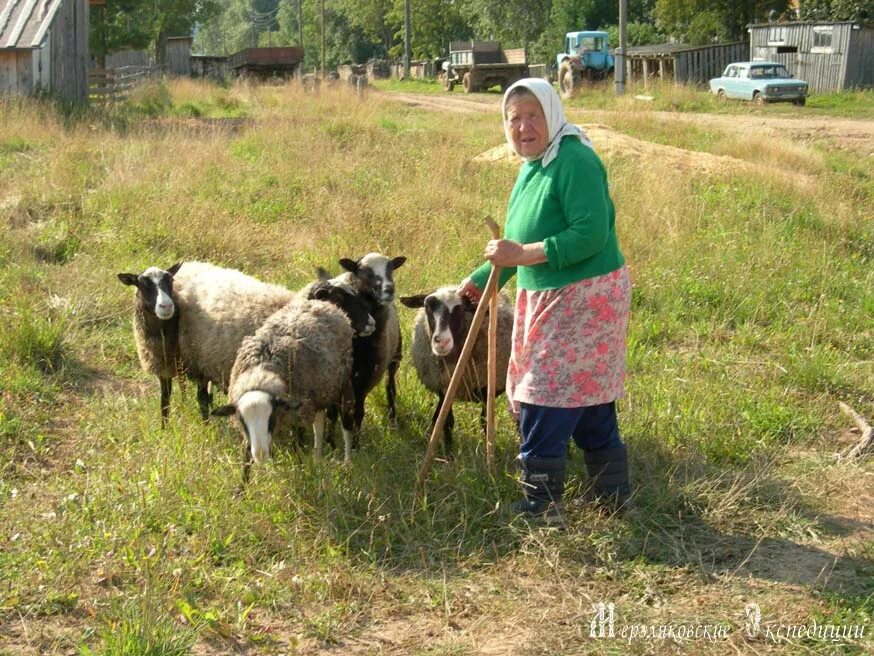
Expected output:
{"points": [[860, 59], [123, 58], [700, 65], [178, 57], [823, 71], [9, 66], [68, 59]]}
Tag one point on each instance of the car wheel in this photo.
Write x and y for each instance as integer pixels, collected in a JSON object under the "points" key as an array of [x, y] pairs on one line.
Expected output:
{"points": [[800, 102], [720, 96], [759, 99]]}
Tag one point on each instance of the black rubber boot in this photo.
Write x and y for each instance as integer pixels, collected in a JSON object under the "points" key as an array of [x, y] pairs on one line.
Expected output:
{"points": [[543, 487], [608, 471]]}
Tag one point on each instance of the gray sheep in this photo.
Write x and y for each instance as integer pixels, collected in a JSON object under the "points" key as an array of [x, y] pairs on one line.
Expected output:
{"points": [[440, 330], [295, 366]]}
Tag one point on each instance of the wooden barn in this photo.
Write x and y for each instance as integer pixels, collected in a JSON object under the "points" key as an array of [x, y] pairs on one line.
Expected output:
{"points": [[828, 56], [44, 48], [682, 63]]}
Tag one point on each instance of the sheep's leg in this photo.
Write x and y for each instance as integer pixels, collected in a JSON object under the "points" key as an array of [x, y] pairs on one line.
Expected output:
{"points": [[247, 461], [204, 399], [391, 382], [349, 435], [357, 419], [333, 411], [483, 395], [447, 427], [318, 434], [166, 388]]}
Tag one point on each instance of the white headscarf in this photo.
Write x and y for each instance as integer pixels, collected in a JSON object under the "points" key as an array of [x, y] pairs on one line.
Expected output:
{"points": [[556, 122]]}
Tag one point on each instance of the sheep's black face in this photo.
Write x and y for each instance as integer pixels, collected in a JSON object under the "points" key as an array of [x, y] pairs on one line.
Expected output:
{"points": [[154, 290], [448, 321]]}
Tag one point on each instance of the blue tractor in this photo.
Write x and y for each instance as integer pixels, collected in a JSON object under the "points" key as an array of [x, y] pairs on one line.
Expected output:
{"points": [[586, 58]]}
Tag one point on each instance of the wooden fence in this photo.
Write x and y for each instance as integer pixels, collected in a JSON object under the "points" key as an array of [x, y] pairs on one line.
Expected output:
{"points": [[106, 86]]}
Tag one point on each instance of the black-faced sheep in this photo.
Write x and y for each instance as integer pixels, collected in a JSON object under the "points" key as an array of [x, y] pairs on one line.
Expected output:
{"points": [[295, 366], [213, 309], [379, 353], [156, 327], [440, 330]]}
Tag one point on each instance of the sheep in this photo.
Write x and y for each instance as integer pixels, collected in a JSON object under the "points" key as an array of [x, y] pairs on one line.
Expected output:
{"points": [[439, 332], [156, 327], [295, 366], [206, 311], [380, 352]]}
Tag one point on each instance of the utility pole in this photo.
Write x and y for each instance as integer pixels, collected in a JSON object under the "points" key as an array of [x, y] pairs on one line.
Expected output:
{"points": [[619, 55], [407, 55], [323, 38], [300, 23]]}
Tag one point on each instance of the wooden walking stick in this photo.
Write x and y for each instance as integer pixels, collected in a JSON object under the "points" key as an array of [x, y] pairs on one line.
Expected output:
{"points": [[493, 358], [490, 292]]}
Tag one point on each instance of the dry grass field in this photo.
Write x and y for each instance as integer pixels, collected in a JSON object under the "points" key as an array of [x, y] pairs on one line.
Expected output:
{"points": [[751, 253]]}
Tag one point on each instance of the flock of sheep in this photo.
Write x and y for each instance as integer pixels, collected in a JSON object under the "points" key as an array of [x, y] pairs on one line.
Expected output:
{"points": [[295, 358]]}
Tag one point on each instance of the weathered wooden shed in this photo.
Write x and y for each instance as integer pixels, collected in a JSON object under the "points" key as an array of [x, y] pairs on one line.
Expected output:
{"points": [[214, 67], [177, 59], [828, 56], [44, 47], [681, 62]]}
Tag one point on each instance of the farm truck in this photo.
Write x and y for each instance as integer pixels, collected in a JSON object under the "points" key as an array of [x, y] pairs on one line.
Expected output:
{"points": [[479, 65], [586, 57]]}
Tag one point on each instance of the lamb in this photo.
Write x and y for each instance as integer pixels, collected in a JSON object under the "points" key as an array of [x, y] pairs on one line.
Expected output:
{"points": [[439, 332], [200, 317], [295, 366], [380, 352]]}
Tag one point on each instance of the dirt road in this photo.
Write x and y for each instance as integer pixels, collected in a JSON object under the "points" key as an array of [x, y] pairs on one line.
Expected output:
{"points": [[857, 134]]}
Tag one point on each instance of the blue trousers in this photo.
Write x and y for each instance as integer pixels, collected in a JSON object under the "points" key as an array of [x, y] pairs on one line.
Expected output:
{"points": [[546, 432]]}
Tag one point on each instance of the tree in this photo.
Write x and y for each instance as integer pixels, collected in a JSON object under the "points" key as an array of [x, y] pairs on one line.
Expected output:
{"points": [[838, 10], [708, 21], [513, 22], [137, 24], [434, 24]]}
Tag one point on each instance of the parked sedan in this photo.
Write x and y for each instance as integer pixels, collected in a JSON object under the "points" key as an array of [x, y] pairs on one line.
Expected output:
{"points": [[761, 82]]}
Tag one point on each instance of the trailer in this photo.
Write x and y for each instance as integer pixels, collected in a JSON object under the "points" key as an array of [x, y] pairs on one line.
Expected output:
{"points": [[266, 63], [479, 65]]}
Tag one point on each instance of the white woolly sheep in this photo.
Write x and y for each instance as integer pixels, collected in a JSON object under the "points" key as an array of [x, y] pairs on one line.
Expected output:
{"points": [[293, 368], [440, 330]]}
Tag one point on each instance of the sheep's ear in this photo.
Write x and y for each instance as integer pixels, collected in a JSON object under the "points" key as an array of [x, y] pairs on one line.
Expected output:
{"points": [[416, 301], [175, 268], [397, 262], [350, 265], [224, 410], [322, 294], [323, 275], [128, 278]]}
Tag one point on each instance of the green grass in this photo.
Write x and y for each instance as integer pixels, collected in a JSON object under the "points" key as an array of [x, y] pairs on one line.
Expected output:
{"points": [[751, 318]]}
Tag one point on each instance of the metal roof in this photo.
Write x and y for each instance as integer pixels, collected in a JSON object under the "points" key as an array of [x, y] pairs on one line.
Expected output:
{"points": [[24, 23]]}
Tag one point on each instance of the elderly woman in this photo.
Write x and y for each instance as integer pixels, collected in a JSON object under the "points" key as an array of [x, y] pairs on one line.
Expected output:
{"points": [[568, 363]]}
